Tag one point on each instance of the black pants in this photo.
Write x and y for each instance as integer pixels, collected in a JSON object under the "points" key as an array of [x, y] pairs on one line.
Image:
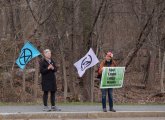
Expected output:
{"points": [[52, 98]]}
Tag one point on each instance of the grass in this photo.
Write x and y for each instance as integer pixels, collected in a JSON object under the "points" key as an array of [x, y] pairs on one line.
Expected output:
{"points": [[78, 103], [17, 104], [71, 103], [136, 104], [40, 103]]}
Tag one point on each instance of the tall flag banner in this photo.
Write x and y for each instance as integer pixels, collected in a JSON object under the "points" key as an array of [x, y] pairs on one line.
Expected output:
{"points": [[27, 53], [89, 60], [112, 77]]}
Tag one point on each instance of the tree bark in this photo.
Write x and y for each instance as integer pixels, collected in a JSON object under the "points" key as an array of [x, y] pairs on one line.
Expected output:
{"points": [[162, 76], [36, 76], [64, 68], [11, 19]]}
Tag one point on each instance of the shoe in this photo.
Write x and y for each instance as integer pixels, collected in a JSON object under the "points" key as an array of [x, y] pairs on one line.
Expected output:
{"points": [[46, 108], [55, 108], [104, 110], [112, 110]]}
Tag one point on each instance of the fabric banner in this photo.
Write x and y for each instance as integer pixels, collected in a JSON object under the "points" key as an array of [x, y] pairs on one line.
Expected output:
{"points": [[27, 53], [89, 60]]}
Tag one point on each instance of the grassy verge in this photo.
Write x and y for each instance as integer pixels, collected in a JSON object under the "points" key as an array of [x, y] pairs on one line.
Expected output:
{"points": [[18, 104], [71, 103], [40, 103]]}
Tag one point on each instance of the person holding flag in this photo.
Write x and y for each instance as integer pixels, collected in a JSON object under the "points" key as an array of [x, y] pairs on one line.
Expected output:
{"points": [[47, 70], [107, 62]]}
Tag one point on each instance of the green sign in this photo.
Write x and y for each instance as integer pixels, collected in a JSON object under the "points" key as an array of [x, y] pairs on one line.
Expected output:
{"points": [[112, 77]]}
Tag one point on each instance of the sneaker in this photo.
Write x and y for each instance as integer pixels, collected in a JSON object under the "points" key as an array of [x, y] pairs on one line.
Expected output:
{"points": [[46, 108], [112, 110], [104, 110], [55, 108]]}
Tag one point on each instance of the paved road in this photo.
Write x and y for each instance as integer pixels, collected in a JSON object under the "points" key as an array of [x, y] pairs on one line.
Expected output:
{"points": [[141, 118], [81, 108]]}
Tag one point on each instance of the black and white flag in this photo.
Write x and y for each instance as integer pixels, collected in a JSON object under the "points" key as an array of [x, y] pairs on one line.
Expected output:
{"points": [[89, 60]]}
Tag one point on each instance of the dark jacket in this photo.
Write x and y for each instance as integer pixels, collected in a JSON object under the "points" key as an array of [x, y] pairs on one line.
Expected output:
{"points": [[105, 63], [48, 76]]}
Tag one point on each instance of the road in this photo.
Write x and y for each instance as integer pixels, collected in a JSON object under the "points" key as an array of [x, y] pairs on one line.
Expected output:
{"points": [[124, 112], [81, 108], [141, 118]]}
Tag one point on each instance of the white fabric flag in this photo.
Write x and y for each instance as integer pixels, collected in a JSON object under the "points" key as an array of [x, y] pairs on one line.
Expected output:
{"points": [[89, 60]]}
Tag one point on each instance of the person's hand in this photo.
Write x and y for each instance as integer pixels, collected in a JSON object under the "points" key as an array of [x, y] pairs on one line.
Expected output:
{"points": [[101, 70], [50, 67]]}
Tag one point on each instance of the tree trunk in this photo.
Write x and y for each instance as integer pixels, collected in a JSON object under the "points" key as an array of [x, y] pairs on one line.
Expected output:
{"points": [[36, 76], [64, 69], [160, 60], [146, 69], [151, 71], [162, 75], [23, 87], [4, 21], [11, 19], [64, 75], [74, 82], [86, 17], [11, 29], [153, 39]]}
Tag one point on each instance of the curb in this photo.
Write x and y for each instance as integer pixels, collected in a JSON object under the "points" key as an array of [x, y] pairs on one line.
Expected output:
{"points": [[80, 115]]}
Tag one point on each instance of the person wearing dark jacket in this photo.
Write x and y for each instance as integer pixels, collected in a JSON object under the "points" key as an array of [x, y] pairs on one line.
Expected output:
{"points": [[47, 70], [108, 62]]}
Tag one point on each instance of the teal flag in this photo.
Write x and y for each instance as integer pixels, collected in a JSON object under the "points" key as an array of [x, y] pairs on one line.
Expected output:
{"points": [[27, 53], [112, 77]]}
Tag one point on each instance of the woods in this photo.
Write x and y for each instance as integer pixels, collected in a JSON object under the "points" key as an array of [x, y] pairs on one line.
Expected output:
{"points": [[134, 30]]}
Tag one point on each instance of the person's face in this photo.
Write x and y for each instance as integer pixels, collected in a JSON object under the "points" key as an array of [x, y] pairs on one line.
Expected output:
{"points": [[108, 58], [48, 55]]}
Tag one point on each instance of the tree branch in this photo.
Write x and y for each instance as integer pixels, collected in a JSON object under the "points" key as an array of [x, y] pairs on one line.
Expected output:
{"points": [[94, 23], [38, 21]]}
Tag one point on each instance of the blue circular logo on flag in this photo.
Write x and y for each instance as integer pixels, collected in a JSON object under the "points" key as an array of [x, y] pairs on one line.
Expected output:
{"points": [[25, 57], [86, 62]]}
